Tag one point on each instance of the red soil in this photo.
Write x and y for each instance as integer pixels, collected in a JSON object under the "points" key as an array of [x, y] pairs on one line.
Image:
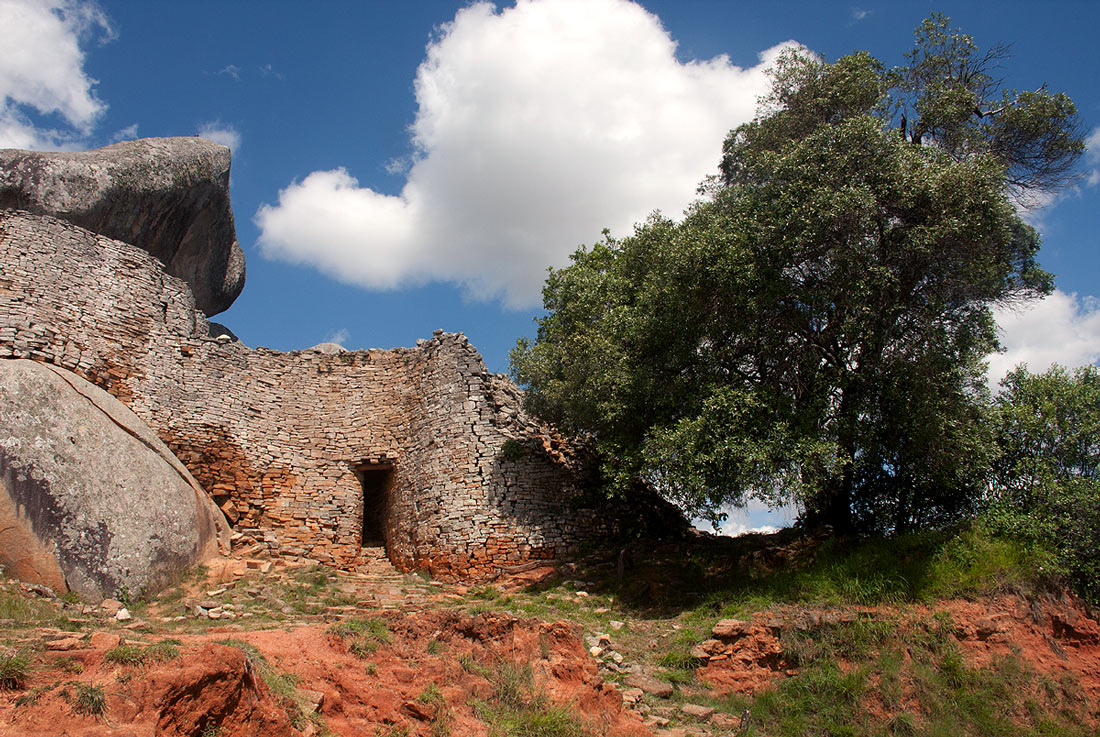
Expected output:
{"points": [[1055, 638], [213, 685]]}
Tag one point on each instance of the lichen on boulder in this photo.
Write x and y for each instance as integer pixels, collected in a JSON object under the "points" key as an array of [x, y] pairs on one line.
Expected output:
{"points": [[91, 501]]}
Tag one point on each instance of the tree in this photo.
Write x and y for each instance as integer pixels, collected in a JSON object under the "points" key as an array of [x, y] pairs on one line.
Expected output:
{"points": [[814, 329], [1046, 476]]}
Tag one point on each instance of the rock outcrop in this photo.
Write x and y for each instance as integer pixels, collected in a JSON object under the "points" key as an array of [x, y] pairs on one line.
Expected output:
{"points": [[168, 196], [91, 500]]}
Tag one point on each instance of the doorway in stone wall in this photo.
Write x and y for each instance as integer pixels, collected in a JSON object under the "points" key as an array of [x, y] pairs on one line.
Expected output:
{"points": [[377, 482]]}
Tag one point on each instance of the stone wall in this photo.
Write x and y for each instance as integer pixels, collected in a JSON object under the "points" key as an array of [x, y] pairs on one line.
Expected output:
{"points": [[279, 439]]}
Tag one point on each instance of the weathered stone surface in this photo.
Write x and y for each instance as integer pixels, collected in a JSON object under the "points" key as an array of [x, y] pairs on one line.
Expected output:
{"points": [[168, 196], [283, 442], [329, 349], [697, 712], [90, 499], [731, 629], [650, 685]]}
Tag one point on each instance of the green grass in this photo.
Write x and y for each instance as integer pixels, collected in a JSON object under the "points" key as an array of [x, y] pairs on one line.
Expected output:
{"points": [[15, 668], [90, 700], [734, 577], [441, 718], [844, 669], [517, 708], [125, 654], [308, 590], [374, 628], [25, 612], [366, 635], [163, 651]]}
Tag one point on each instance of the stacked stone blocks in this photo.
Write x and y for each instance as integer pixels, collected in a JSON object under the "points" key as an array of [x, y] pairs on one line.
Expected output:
{"points": [[277, 438]]}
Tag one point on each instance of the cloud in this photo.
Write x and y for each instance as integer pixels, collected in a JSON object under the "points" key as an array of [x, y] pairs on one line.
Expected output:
{"points": [[1092, 158], [1035, 206], [1062, 328], [218, 132], [128, 133], [755, 516], [339, 336], [537, 126], [42, 70], [858, 14], [231, 70], [269, 71]]}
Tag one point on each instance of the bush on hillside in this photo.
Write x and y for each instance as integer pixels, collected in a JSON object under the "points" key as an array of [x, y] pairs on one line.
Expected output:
{"points": [[1046, 478]]}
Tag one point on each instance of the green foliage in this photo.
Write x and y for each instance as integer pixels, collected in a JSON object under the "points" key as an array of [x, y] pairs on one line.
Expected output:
{"points": [[163, 651], [125, 654], [90, 700], [814, 330], [15, 667], [517, 708], [947, 93], [23, 611], [366, 634], [908, 568], [1046, 478], [512, 450]]}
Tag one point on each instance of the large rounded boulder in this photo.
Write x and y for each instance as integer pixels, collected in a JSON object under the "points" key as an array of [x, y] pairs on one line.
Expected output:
{"points": [[168, 196], [91, 501]]}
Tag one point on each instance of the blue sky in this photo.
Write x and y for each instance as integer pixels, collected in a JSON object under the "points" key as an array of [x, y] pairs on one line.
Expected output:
{"points": [[405, 166]]}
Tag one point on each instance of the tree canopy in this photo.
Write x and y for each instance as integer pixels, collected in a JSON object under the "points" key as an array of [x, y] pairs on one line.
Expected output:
{"points": [[814, 329], [1046, 474]]}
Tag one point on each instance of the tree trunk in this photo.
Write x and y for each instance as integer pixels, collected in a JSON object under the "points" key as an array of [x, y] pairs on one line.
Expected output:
{"points": [[834, 505]]}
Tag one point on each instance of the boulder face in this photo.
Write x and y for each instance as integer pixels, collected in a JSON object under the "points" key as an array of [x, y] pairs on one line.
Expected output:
{"points": [[91, 500], [168, 196]]}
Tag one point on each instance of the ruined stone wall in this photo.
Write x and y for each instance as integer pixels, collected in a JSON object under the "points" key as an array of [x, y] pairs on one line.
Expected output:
{"points": [[276, 438]]}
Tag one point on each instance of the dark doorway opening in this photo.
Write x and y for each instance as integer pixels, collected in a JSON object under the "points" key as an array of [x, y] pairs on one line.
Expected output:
{"points": [[377, 481]]}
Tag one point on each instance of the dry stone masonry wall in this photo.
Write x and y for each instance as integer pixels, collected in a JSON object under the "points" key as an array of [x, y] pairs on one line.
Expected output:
{"points": [[301, 447]]}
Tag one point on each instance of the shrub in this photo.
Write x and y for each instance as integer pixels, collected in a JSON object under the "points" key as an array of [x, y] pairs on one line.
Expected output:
{"points": [[1046, 478]]}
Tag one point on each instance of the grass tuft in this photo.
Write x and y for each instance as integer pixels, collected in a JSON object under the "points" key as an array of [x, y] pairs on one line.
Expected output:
{"points": [[90, 700], [125, 654], [517, 707], [163, 651], [15, 668]]}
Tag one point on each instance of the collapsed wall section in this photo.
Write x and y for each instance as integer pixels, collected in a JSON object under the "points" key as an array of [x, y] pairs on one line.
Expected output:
{"points": [[280, 440]]}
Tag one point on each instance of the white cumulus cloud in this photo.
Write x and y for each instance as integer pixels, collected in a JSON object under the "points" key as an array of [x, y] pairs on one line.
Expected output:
{"points": [[1092, 157], [219, 132], [537, 126], [1062, 328], [754, 516], [42, 70]]}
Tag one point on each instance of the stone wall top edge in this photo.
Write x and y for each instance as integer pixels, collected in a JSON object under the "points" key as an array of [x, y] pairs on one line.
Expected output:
{"points": [[424, 346]]}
